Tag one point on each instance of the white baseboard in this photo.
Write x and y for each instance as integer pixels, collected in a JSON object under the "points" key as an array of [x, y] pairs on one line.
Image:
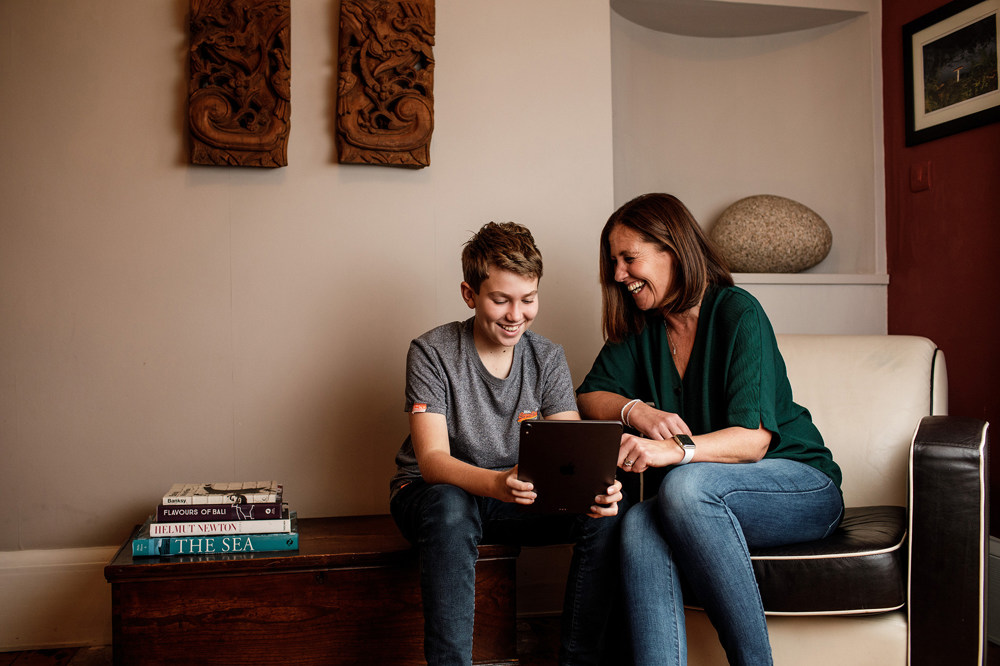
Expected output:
{"points": [[54, 598]]}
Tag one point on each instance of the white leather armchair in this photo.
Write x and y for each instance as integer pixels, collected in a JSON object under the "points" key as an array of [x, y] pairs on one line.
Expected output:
{"points": [[903, 579]]}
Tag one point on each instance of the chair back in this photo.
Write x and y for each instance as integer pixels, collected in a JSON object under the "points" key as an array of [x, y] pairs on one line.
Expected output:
{"points": [[866, 394]]}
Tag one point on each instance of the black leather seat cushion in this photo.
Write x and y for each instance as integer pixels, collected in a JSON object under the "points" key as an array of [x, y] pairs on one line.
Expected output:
{"points": [[860, 568]]}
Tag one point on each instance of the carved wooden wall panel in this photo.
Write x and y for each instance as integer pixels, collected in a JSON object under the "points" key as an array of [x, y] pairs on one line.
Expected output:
{"points": [[239, 91], [385, 105]]}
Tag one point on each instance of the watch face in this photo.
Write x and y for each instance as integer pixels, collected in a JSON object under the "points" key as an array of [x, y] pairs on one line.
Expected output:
{"points": [[685, 441]]}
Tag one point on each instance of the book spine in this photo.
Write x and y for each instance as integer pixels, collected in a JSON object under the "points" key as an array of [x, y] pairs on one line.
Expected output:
{"points": [[192, 493], [193, 513], [217, 527], [237, 498], [235, 543]]}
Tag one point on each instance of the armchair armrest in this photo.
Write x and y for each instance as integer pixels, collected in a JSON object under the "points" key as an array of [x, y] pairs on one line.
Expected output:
{"points": [[948, 541]]}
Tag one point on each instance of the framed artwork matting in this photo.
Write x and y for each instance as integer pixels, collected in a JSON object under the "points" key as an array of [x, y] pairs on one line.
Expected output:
{"points": [[950, 67]]}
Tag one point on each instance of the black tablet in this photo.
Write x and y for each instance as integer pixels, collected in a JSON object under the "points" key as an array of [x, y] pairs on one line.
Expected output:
{"points": [[570, 462]]}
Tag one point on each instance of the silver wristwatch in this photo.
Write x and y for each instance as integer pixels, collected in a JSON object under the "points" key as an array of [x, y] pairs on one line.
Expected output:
{"points": [[687, 444]]}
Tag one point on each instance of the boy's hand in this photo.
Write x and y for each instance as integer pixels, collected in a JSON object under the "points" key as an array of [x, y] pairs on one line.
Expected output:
{"points": [[611, 499], [513, 489]]}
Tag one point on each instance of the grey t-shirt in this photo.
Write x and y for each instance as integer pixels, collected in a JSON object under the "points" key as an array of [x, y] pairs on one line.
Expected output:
{"points": [[444, 375]]}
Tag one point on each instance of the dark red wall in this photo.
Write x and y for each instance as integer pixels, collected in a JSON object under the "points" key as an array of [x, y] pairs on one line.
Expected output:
{"points": [[943, 244]]}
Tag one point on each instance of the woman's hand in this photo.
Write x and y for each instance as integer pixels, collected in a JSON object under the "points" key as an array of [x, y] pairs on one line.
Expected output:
{"points": [[656, 424], [637, 454], [729, 445], [511, 489], [613, 496]]}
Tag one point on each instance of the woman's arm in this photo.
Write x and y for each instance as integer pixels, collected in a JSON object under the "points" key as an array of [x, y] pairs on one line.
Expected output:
{"points": [[657, 448], [429, 433], [729, 445], [651, 422], [601, 405]]}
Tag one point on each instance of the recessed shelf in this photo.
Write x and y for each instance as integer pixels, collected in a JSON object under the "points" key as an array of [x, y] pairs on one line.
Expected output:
{"points": [[743, 92], [714, 18]]}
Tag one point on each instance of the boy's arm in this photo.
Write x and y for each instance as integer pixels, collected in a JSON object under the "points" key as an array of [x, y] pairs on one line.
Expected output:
{"points": [[429, 434], [564, 416]]}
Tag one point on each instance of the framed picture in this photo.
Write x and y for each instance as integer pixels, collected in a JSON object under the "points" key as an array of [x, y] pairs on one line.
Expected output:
{"points": [[950, 67]]}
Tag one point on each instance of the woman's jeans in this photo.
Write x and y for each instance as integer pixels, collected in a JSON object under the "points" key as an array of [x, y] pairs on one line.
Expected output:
{"points": [[447, 524], [698, 529]]}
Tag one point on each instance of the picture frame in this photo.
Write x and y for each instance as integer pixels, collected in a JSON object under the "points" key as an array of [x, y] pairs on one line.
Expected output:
{"points": [[950, 67]]}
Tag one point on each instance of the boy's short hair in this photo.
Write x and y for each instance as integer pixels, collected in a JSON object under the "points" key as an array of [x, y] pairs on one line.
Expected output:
{"points": [[506, 245]]}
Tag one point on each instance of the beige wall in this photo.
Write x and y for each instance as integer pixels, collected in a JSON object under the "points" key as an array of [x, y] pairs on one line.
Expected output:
{"points": [[161, 322]]}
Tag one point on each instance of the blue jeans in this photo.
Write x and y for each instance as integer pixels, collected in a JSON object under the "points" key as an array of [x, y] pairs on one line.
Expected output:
{"points": [[447, 524], [699, 529]]}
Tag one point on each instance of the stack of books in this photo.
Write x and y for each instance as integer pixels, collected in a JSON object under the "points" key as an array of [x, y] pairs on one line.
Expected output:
{"points": [[218, 518]]}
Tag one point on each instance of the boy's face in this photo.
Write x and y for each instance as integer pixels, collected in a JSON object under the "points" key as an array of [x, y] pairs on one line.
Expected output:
{"points": [[505, 306]]}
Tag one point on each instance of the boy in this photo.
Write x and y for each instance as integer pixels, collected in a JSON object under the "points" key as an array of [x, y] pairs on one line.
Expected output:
{"points": [[468, 386]]}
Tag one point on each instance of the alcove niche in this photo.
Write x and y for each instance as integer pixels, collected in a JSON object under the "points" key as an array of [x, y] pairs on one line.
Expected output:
{"points": [[716, 101]]}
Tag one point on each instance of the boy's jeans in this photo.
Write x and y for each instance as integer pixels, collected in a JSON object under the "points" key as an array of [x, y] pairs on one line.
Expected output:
{"points": [[446, 524]]}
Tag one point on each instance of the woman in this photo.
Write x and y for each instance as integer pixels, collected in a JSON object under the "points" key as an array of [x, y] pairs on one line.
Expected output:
{"points": [[691, 363]]}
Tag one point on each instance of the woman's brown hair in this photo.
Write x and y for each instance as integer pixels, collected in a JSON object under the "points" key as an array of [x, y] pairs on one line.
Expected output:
{"points": [[663, 220]]}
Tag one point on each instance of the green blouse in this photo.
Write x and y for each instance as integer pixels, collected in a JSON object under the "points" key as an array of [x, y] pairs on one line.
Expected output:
{"points": [[735, 377]]}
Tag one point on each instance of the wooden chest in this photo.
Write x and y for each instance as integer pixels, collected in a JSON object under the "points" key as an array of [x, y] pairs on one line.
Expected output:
{"points": [[349, 595]]}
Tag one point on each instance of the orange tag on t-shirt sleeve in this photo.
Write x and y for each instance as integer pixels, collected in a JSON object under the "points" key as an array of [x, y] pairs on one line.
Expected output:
{"points": [[419, 408]]}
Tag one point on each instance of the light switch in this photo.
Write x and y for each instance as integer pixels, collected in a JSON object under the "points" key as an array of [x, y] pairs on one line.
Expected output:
{"points": [[920, 176]]}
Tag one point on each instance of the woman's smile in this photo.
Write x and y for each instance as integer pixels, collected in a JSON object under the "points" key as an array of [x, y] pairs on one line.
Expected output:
{"points": [[636, 286]]}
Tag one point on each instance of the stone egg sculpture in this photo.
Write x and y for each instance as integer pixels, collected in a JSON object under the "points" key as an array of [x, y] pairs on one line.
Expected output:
{"points": [[771, 234]]}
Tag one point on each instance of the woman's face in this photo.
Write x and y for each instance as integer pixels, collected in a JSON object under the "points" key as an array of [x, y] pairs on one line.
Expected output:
{"points": [[642, 268]]}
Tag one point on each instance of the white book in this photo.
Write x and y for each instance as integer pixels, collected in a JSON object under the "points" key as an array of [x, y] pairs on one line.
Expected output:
{"points": [[238, 492], [219, 527]]}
